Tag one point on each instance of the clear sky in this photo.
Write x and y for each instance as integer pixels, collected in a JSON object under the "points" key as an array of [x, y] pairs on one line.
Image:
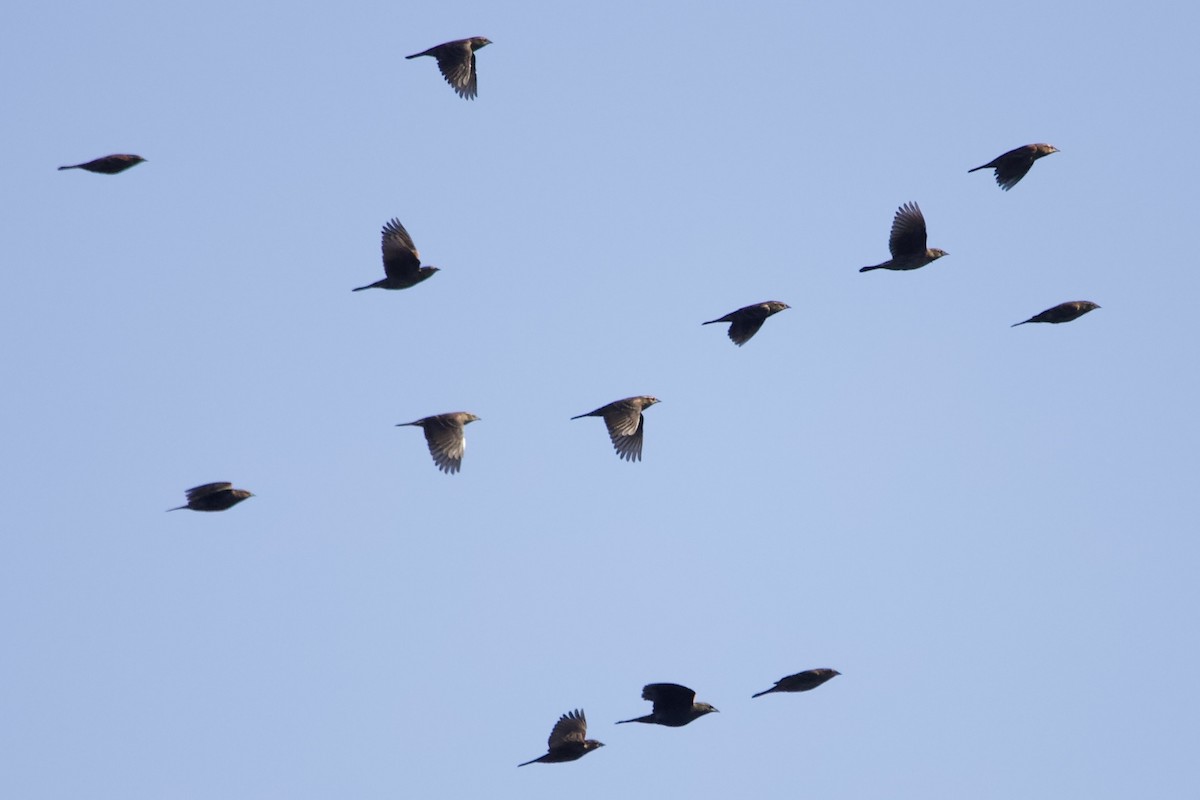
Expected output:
{"points": [[989, 531]]}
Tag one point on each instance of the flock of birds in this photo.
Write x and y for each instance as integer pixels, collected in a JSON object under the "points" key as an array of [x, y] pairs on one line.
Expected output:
{"points": [[673, 705]]}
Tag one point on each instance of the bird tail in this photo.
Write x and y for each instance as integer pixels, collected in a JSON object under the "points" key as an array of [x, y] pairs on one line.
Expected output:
{"points": [[176, 508], [1015, 324], [985, 166], [760, 694], [532, 760], [711, 321], [73, 166], [359, 289], [868, 269], [581, 416]]}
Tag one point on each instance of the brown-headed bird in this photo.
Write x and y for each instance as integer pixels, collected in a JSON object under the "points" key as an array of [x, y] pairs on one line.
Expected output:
{"points": [[1013, 165], [213, 497], [109, 165], [568, 740], [446, 438], [907, 241], [625, 424], [456, 60], [746, 321], [401, 261], [801, 681], [674, 705], [1063, 312]]}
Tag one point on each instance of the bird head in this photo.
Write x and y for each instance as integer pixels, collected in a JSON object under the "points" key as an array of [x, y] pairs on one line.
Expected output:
{"points": [[703, 708], [1088, 305], [774, 306], [649, 401], [1044, 150], [591, 744], [935, 253], [469, 418], [479, 41]]}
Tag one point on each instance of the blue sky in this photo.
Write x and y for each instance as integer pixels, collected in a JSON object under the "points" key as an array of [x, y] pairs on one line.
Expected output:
{"points": [[989, 531]]}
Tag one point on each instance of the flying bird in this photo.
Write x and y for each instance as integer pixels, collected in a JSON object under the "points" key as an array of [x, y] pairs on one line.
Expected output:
{"points": [[568, 740], [109, 165], [1063, 312], [446, 438], [401, 261], [801, 681], [746, 321], [456, 60], [625, 424], [213, 497], [1013, 165], [907, 241], [674, 705]]}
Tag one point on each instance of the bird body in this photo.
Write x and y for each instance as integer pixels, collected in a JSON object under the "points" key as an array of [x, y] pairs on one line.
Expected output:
{"points": [[674, 705], [213, 497], [446, 439], [1063, 312], [456, 60], [907, 242], [801, 681], [108, 165], [568, 740], [625, 424], [746, 321], [401, 261], [1013, 165]]}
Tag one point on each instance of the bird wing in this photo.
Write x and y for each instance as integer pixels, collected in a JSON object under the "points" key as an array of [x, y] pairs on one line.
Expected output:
{"points": [[571, 727], [625, 430], [400, 256], [744, 327], [447, 442], [456, 60], [668, 696], [1012, 166], [908, 231], [207, 489]]}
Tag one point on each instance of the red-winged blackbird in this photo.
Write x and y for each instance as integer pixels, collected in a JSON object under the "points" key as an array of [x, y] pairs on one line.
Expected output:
{"points": [[401, 261], [1063, 312], [907, 241], [446, 438], [1013, 165], [625, 424], [456, 60], [568, 740], [746, 321], [674, 705], [213, 497], [801, 681], [109, 165]]}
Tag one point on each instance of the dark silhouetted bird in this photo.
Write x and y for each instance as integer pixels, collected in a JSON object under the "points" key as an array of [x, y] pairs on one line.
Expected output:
{"points": [[907, 241], [1063, 312], [401, 261], [568, 740], [446, 438], [801, 681], [746, 321], [625, 424], [1013, 165], [109, 165], [456, 60], [213, 497], [674, 705]]}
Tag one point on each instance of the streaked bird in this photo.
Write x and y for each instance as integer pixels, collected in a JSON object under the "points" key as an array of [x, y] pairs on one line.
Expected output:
{"points": [[625, 424], [1063, 312], [446, 438], [213, 497], [674, 705], [907, 241], [801, 681], [1013, 165], [568, 740], [109, 165], [746, 321], [401, 261], [456, 60]]}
